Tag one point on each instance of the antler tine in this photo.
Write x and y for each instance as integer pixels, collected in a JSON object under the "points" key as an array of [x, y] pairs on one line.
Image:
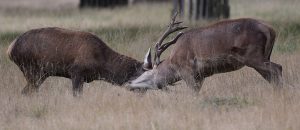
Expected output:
{"points": [[167, 33], [169, 43], [169, 29], [174, 17], [163, 47], [172, 27], [177, 23]]}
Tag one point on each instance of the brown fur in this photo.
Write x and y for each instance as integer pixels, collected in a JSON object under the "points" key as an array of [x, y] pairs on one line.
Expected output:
{"points": [[221, 47], [81, 56]]}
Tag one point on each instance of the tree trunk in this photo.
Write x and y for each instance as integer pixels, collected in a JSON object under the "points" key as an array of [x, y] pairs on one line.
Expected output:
{"points": [[204, 9], [102, 3], [178, 7]]}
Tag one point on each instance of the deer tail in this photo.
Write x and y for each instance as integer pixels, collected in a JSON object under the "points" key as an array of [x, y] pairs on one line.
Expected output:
{"points": [[10, 48]]}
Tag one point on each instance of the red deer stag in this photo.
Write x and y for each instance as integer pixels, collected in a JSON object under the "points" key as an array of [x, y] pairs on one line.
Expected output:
{"points": [[80, 56], [221, 47]]}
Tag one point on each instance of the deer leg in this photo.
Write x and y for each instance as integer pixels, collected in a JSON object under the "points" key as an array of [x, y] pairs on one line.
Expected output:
{"points": [[77, 83], [193, 82], [34, 81], [271, 72], [28, 89], [199, 84]]}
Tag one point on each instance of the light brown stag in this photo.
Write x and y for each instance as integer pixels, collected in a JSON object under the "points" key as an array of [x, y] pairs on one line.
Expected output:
{"points": [[80, 56], [221, 47]]}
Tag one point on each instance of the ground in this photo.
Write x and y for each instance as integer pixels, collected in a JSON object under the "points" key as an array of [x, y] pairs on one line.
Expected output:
{"points": [[239, 100]]}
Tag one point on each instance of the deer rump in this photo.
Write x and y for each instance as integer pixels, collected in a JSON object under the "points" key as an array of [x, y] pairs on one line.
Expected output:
{"points": [[221, 47], [81, 56]]}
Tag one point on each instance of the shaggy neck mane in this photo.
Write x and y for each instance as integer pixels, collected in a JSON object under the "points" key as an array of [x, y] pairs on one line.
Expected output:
{"points": [[123, 68]]}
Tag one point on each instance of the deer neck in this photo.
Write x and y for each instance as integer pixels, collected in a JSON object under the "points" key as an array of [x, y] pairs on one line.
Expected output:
{"points": [[124, 68]]}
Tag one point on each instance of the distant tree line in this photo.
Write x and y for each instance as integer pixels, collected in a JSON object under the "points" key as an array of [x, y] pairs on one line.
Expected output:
{"points": [[197, 9]]}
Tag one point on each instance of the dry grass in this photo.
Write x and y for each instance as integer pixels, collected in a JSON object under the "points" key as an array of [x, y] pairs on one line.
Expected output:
{"points": [[239, 100]]}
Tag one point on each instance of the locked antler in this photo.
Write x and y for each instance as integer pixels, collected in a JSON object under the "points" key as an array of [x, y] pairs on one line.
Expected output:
{"points": [[159, 47]]}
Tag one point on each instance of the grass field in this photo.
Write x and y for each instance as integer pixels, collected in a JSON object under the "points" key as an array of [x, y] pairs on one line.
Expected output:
{"points": [[239, 100]]}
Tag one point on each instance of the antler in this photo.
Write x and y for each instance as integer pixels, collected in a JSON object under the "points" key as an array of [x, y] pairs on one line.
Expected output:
{"points": [[159, 47]]}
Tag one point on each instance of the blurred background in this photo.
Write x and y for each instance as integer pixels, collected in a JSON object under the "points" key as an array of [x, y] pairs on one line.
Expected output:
{"points": [[230, 101], [108, 16]]}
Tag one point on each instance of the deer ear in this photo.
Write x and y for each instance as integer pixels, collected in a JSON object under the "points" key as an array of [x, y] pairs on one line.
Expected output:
{"points": [[147, 60]]}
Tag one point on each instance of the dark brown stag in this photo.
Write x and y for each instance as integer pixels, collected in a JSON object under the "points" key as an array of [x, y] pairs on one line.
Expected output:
{"points": [[221, 47], [81, 56]]}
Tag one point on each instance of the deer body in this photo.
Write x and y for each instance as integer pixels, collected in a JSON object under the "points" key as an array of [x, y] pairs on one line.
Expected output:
{"points": [[80, 56], [222, 47]]}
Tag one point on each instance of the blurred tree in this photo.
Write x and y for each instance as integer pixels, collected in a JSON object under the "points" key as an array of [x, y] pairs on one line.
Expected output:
{"points": [[178, 6], [102, 3], [204, 9]]}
